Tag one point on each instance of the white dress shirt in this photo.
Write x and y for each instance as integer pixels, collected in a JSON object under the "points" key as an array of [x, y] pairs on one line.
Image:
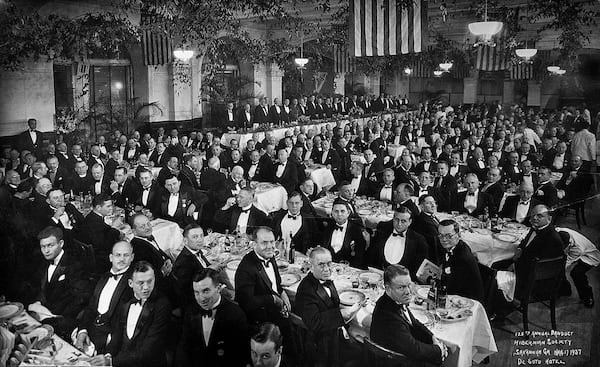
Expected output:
{"points": [[52, 267], [242, 222], [280, 169], [63, 219], [98, 187], [130, 153], [145, 194], [252, 170], [173, 202], [307, 155], [135, 310], [386, 193], [471, 201], [270, 273], [337, 237], [481, 163], [229, 115], [290, 225], [33, 136], [327, 289], [107, 292], [394, 248], [454, 170], [528, 179], [522, 210], [324, 156], [208, 322], [355, 183]]}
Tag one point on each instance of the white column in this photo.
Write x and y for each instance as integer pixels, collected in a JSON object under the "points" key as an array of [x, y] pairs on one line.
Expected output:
{"points": [[160, 90], [509, 92], [338, 83], [534, 96], [182, 90], [470, 90], [274, 82]]}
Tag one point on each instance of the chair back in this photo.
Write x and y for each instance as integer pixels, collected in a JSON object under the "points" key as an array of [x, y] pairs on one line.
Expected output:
{"points": [[85, 253], [298, 331], [377, 355], [545, 279], [565, 237], [490, 285]]}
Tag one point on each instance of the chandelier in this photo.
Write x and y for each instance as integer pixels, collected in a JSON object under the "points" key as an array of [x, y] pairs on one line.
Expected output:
{"points": [[183, 55], [526, 53], [438, 73], [446, 66], [301, 61], [553, 68], [485, 30], [408, 71]]}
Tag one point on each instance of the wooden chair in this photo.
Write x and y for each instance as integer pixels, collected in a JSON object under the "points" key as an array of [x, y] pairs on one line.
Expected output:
{"points": [[376, 355], [543, 284]]}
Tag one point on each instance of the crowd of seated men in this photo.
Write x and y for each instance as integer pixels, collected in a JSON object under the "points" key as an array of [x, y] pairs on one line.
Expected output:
{"points": [[113, 286]]}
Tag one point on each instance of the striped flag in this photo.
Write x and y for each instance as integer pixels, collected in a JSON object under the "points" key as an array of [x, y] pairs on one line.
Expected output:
{"points": [[421, 70], [342, 62], [156, 48], [523, 71], [381, 27], [493, 58]]}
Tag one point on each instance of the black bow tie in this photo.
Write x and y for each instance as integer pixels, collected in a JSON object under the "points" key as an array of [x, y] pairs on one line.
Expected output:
{"points": [[339, 228], [266, 263], [529, 175], [471, 194], [292, 216], [328, 283], [387, 186], [397, 234], [206, 313], [98, 181], [136, 302], [151, 238], [246, 210], [116, 276], [523, 202], [51, 262]]}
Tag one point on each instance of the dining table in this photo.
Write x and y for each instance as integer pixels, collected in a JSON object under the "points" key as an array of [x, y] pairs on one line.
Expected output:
{"points": [[371, 211], [469, 339], [321, 176], [269, 197]]}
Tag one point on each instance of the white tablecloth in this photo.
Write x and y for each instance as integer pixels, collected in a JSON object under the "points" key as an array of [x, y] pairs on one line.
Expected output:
{"points": [[371, 218], [395, 150], [271, 199], [321, 176], [168, 235]]}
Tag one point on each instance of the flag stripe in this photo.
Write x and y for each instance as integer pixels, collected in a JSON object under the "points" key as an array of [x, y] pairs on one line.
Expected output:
{"points": [[363, 28], [417, 27], [380, 27], [392, 26], [404, 30], [386, 26]]}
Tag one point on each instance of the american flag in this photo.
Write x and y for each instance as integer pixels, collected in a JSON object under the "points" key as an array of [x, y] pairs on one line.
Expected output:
{"points": [[342, 62], [493, 58], [380, 27]]}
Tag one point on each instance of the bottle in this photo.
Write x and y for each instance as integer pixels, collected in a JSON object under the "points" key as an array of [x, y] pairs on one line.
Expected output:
{"points": [[292, 251], [227, 240], [442, 294], [486, 218], [432, 295]]}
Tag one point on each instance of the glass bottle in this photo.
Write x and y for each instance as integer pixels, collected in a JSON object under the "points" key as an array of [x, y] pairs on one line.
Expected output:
{"points": [[292, 250]]}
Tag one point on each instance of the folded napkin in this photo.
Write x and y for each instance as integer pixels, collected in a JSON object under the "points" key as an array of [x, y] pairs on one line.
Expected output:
{"points": [[506, 283]]}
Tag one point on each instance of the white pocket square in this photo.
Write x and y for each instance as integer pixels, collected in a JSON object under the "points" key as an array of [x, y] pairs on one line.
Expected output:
{"points": [[61, 278]]}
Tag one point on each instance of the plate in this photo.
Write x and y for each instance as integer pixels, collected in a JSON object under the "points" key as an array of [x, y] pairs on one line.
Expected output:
{"points": [[288, 279], [514, 225], [460, 302], [233, 264], [40, 333], [282, 264], [348, 297], [10, 309], [483, 231], [423, 292], [506, 237], [364, 212], [453, 315], [424, 317], [370, 277]]}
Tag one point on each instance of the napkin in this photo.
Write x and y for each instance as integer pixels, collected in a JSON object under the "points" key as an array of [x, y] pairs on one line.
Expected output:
{"points": [[506, 283], [41, 311]]}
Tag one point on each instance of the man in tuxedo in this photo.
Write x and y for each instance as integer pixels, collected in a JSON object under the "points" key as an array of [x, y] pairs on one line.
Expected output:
{"points": [[192, 260], [81, 181], [318, 304], [494, 187], [457, 170], [403, 172], [147, 249], [395, 328], [307, 191], [286, 173], [123, 188], [111, 164], [244, 118], [426, 224], [576, 182], [64, 285], [527, 174], [215, 330], [258, 288], [519, 208], [141, 325], [239, 213], [426, 163], [149, 194], [473, 201], [170, 169], [546, 192], [398, 244], [111, 291], [96, 232], [229, 117], [261, 112], [344, 238], [445, 187], [55, 212], [460, 271], [266, 344], [476, 164], [160, 156], [403, 198], [187, 175], [329, 158], [293, 226], [379, 145], [31, 139], [274, 115], [385, 191], [57, 174], [181, 205], [100, 185], [511, 170], [360, 184]]}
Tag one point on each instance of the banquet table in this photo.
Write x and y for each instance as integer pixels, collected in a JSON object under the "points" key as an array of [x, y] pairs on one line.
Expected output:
{"points": [[321, 176], [270, 197], [395, 150], [371, 211], [168, 236], [469, 340]]}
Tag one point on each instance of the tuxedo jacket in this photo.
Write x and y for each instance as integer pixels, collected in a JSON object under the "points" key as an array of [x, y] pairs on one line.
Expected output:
{"points": [[534, 179], [92, 161], [496, 191], [243, 122], [260, 116], [274, 116], [154, 198], [378, 193], [25, 142], [68, 290], [322, 317], [545, 244], [265, 170], [42, 216], [446, 192], [184, 268], [227, 219], [579, 186], [391, 329], [379, 147], [333, 158], [353, 248], [225, 121], [421, 167], [365, 187], [159, 160], [144, 250], [109, 169], [81, 185], [427, 227], [306, 237], [147, 346], [462, 273], [136, 154], [61, 178], [254, 292], [547, 194], [228, 341], [510, 174], [101, 236], [403, 176], [99, 326], [415, 250], [66, 161], [289, 178], [188, 178], [473, 167], [509, 210], [127, 193], [307, 208], [461, 172], [187, 197], [483, 201]]}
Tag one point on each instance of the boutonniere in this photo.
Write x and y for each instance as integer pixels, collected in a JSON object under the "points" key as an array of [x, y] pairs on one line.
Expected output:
{"points": [[352, 245], [540, 193], [447, 270]]}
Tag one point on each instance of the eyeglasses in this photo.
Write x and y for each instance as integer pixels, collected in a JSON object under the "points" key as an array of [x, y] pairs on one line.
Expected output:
{"points": [[325, 265], [446, 236]]}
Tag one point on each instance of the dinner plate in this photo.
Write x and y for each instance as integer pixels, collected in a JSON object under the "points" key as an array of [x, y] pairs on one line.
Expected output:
{"points": [[506, 237], [514, 225], [10, 309], [364, 212], [282, 265], [424, 317], [40, 333], [370, 277], [233, 264], [288, 279], [348, 297], [423, 292], [460, 302], [448, 315], [483, 231]]}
